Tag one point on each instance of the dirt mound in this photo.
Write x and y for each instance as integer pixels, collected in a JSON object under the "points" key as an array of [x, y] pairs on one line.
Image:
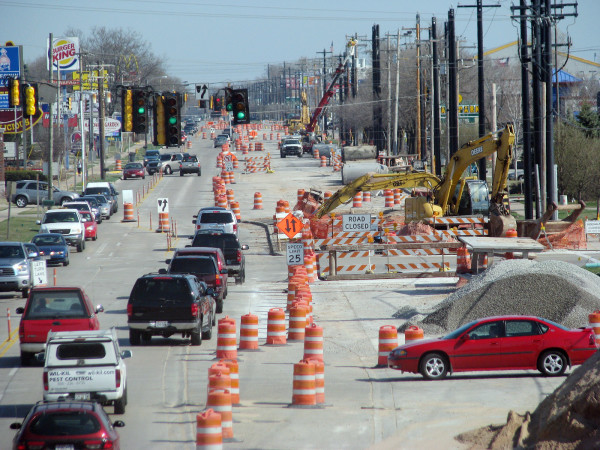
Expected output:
{"points": [[554, 290], [569, 418]]}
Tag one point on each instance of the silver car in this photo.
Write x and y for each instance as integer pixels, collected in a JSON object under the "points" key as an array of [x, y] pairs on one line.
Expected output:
{"points": [[35, 192]]}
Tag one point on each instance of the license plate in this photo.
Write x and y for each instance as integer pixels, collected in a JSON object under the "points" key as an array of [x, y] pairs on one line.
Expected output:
{"points": [[82, 396], [161, 324], [64, 447]]}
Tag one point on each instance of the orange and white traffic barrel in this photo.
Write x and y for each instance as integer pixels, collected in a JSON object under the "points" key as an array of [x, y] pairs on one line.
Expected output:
{"points": [[258, 200], [163, 223], [316, 154], [327, 195], [234, 376], [300, 194], [304, 390], [235, 207], [276, 326], [209, 434], [388, 341], [510, 233], [319, 380], [226, 340], [388, 195], [413, 333], [221, 402], [397, 196], [249, 332], [128, 212], [222, 201], [219, 381], [218, 367], [297, 323], [323, 161], [230, 195], [367, 197], [463, 260], [357, 200], [594, 319], [313, 342]]}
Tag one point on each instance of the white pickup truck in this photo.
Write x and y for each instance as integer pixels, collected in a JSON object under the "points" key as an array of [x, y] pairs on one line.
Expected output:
{"points": [[86, 365]]}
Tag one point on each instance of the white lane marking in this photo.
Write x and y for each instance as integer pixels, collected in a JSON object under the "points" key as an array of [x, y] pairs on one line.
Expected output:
{"points": [[12, 371]]}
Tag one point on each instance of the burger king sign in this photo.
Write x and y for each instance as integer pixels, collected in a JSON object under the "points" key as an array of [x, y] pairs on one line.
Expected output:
{"points": [[65, 54]]}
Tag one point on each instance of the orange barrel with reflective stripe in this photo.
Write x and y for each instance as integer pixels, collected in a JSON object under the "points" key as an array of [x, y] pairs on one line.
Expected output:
{"points": [[209, 434], [313, 342], [319, 380], [594, 319], [304, 391], [221, 402], [249, 332], [297, 322], [276, 333], [388, 341], [226, 340], [234, 375], [413, 333]]}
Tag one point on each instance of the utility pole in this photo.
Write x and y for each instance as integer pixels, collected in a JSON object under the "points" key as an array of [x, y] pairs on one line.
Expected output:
{"points": [[377, 114], [418, 131], [324, 80], [435, 110], [51, 144], [395, 149], [101, 119], [480, 82], [452, 109]]}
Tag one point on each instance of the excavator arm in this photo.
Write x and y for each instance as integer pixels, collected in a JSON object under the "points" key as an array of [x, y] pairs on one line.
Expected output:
{"points": [[376, 182], [471, 152]]}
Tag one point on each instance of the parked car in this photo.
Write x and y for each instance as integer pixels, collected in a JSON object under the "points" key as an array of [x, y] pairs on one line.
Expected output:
{"points": [[53, 247], [91, 226], [168, 167], [133, 170], [220, 140], [99, 204], [35, 192], [291, 146], [190, 164], [164, 305], [85, 365], [151, 154], [204, 268], [15, 267], [104, 188], [216, 218], [66, 425], [66, 222], [497, 343], [231, 248], [54, 308]]}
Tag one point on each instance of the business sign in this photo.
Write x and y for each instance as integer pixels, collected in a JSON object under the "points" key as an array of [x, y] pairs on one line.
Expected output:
{"points": [[10, 64], [356, 223], [4, 100], [65, 54], [89, 80], [7, 120], [111, 126]]}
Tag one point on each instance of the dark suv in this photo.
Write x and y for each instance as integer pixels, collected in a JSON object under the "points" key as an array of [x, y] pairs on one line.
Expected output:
{"points": [[231, 247], [163, 305], [204, 268]]}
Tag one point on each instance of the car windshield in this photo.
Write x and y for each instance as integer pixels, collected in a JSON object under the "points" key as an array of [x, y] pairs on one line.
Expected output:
{"points": [[196, 266], [91, 201], [134, 166], [456, 333], [78, 206], [60, 216], [165, 157], [222, 137], [52, 304], [152, 153], [161, 290], [216, 217], [64, 423], [50, 239], [96, 190], [221, 241], [190, 159], [101, 198], [11, 251], [292, 142]]}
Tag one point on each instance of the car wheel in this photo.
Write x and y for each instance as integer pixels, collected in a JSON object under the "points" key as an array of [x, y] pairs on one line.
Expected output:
{"points": [[238, 280], [21, 201], [95, 237], [144, 177], [24, 293], [219, 306], [180, 173], [282, 155], [66, 262], [300, 155], [196, 335], [225, 293], [552, 363], [199, 173], [124, 177], [120, 403], [146, 337], [80, 246], [207, 333], [168, 170], [135, 337], [434, 366], [26, 358]]}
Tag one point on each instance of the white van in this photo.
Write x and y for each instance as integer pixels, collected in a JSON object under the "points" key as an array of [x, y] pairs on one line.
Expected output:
{"points": [[104, 188]]}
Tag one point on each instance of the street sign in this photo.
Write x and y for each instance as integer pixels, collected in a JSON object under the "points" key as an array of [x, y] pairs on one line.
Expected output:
{"points": [[228, 162], [163, 205], [10, 64], [356, 223], [290, 225], [592, 227], [38, 273], [294, 254]]}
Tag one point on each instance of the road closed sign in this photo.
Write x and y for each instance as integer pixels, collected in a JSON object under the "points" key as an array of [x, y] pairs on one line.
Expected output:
{"points": [[356, 223]]}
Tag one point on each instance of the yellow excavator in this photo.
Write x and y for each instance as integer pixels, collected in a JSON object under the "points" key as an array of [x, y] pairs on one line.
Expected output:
{"points": [[453, 194]]}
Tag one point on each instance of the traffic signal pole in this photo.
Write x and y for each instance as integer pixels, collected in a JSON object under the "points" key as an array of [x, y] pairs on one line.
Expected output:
{"points": [[101, 119]]}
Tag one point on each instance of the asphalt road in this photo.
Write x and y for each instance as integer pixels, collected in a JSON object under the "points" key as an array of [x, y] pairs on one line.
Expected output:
{"points": [[365, 406]]}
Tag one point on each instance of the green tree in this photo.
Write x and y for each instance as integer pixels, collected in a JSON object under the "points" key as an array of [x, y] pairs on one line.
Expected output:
{"points": [[590, 120]]}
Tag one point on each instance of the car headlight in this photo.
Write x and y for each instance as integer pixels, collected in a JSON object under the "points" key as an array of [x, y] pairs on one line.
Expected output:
{"points": [[21, 268], [397, 353]]}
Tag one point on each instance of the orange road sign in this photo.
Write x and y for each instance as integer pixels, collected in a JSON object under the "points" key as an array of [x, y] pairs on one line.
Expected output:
{"points": [[290, 225]]}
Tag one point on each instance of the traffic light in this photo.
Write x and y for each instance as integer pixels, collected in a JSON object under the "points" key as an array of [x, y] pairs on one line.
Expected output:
{"points": [[228, 102], [14, 99], [30, 99], [241, 109], [126, 109], [201, 103], [69, 102], [217, 103], [139, 111], [172, 119], [160, 126]]}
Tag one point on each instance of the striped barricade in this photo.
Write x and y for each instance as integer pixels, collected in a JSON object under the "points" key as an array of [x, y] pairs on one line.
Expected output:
{"points": [[459, 226]]}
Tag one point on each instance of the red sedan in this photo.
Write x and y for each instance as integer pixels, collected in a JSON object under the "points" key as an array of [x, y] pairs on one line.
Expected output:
{"points": [[67, 425], [134, 170], [497, 343], [90, 224]]}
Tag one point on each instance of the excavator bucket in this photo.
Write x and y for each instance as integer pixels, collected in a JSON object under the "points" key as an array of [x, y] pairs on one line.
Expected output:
{"points": [[549, 230], [500, 224]]}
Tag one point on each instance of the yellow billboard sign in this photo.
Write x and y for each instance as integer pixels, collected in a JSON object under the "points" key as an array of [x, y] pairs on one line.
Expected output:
{"points": [[89, 79]]}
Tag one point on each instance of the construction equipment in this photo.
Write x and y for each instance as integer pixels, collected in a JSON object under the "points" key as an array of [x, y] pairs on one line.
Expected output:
{"points": [[454, 194]]}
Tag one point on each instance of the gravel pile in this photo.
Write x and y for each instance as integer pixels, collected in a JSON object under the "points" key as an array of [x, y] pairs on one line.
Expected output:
{"points": [[554, 290]]}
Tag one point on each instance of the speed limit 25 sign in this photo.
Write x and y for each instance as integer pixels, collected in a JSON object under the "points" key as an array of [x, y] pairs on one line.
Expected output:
{"points": [[294, 254]]}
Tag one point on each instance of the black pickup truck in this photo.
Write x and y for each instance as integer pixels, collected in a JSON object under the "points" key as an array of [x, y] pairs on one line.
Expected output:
{"points": [[164, 305], [231, 247]]}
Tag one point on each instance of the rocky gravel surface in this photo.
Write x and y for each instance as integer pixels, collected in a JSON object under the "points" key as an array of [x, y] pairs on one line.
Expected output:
{"points": [[553, 290]]}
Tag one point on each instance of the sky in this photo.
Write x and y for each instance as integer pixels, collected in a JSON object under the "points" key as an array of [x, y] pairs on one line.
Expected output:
{"points": [[210, 42]]}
